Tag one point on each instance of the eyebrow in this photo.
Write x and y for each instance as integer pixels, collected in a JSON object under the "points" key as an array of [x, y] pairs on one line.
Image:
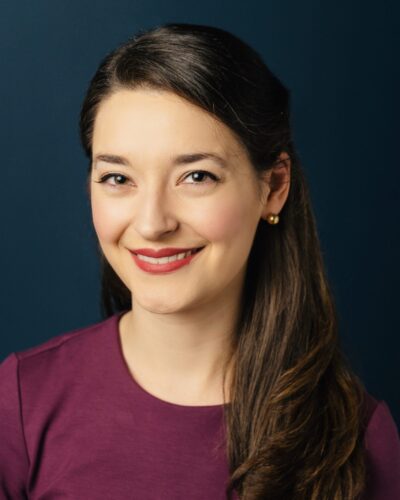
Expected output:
{"points": [[183, 159]]}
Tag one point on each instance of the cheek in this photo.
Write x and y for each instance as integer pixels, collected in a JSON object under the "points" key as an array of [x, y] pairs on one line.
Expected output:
{"points": [[108, 219], [222, 221]]}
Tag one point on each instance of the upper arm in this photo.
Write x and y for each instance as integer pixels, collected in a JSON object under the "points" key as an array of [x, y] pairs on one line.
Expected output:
{"points": [[14, 462], [382, 445]]}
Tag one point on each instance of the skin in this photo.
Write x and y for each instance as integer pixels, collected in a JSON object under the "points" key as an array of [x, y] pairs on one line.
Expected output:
{"points": [[178, 334]]}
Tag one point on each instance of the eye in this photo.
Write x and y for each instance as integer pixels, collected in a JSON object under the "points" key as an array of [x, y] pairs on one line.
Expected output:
{"points": [[115, 176], [198, 175]]}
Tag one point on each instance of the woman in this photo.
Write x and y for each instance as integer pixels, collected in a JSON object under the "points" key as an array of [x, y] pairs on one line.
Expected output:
{"points": [[216, 372]]}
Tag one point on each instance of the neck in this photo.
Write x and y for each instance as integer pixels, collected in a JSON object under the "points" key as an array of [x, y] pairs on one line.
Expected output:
{"points": [[180, 357]]}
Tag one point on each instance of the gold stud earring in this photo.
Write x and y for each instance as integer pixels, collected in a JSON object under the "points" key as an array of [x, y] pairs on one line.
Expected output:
{"points": [[273, 218]]}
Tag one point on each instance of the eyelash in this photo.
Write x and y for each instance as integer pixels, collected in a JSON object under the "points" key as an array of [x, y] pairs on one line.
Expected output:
{"points": [[105, 177]]}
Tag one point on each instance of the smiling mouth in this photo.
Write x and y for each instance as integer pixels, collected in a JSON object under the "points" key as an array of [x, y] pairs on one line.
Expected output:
{"points": [[168, 259]]}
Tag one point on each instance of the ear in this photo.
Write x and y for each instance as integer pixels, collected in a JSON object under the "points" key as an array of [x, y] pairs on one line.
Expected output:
{"points": [[277, 183]]}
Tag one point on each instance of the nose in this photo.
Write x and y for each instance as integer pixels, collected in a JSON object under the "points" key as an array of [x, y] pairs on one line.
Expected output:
{"points": [[153, 217]]}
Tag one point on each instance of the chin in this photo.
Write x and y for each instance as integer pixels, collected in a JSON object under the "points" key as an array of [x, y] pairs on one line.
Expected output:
{"points": [[158, 305]]}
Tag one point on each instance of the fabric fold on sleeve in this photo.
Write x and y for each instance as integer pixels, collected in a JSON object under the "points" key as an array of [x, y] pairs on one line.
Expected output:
{"points": [[382, 444], [14, 461]]}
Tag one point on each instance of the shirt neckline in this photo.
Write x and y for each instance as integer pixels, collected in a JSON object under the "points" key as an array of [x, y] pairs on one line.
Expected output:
{"points": [[142, 393]]}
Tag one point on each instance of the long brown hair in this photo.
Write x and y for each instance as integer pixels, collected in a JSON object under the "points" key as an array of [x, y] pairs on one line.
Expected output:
{"points": [[294, 426]]}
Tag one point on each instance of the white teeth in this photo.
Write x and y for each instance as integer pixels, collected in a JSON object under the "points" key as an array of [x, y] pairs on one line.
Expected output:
{"points": [[164, 260]]}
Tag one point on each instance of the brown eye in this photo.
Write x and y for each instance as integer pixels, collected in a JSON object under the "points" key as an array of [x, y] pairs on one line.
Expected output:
{"points": [[199, 175], [119, 179]]}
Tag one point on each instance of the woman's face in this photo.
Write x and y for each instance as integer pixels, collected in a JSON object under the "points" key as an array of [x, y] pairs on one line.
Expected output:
{"points": [[155, 201]]}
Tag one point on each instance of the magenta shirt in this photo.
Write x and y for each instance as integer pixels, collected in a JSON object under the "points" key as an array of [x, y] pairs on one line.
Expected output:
{"points": [[74, 424]]}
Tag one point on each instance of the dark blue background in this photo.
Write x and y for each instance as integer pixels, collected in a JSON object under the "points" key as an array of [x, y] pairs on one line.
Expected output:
{"points": [[340, 61]]}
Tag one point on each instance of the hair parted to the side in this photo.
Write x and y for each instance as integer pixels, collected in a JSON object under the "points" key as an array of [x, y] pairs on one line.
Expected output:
{"points": [[294, 424]]}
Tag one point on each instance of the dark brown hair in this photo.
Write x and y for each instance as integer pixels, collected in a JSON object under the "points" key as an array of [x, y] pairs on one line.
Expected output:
{"points": [[295, 423]]}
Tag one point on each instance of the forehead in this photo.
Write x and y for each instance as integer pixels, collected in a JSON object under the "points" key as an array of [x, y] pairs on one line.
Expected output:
{"points": [[153, 121]]}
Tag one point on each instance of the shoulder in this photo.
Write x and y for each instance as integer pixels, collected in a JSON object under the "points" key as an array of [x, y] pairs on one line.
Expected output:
{"points": [[57, 358], [34, 384], [382, 447], [70, 340]]}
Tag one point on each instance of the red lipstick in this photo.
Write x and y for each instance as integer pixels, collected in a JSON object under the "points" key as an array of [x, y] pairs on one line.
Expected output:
{"points": [[162, 252], [166, 267]]}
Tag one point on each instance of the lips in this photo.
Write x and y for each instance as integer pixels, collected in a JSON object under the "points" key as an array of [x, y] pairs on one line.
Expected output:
{"points": [[165, 267], [164, 252]]}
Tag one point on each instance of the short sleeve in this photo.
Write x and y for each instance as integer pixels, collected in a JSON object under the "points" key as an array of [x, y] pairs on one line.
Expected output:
{"points": [[14, 461], [382, 445]]}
